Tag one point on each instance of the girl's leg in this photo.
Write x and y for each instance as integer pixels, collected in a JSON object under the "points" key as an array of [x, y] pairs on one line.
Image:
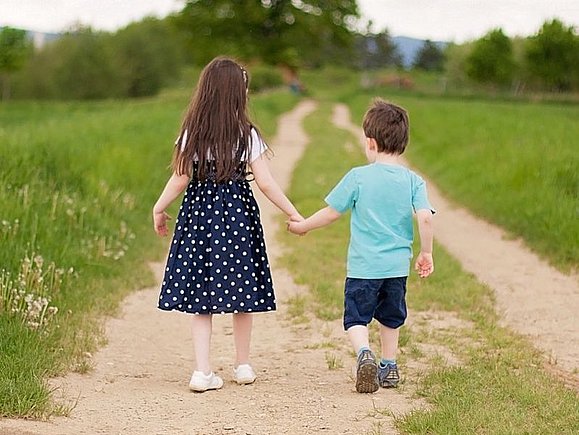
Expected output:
{"points": [[389, 342], [202, 327], [242, 325]]}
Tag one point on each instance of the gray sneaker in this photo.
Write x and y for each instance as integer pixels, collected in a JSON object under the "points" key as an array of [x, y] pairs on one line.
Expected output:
{"points": [[367, 373], [388, 376]]}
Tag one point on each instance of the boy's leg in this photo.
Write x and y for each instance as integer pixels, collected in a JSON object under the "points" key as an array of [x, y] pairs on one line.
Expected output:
{"points": [[360, 301], [358, 335], [391, 314], [202, 328], [388, 375], [242, 325], [389, 342]]}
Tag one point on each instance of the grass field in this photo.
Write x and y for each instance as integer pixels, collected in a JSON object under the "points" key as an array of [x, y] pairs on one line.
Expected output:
{"points": [[501, 385], [77, 183]]}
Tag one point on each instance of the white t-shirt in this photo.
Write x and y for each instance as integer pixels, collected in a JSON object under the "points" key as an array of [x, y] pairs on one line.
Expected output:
{"points": [[256, 145]]}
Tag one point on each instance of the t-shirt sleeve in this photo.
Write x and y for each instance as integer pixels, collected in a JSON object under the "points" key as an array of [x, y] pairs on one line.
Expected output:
{"points": [[420, 196], [345, 194], [257, 145]]}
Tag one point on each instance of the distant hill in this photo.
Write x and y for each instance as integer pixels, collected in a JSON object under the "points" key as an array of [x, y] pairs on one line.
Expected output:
{"points": [[409, 48]]}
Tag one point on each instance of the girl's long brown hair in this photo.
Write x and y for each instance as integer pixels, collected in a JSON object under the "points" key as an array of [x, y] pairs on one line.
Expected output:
{"points": [[218, 127]]}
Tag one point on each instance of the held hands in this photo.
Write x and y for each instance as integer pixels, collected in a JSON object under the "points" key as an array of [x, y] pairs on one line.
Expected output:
{"points": [[160, 222], [295, 225], [424, 264]]}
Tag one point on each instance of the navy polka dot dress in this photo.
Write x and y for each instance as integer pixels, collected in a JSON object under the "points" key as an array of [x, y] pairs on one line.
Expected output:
{"points": [[217, 261]]}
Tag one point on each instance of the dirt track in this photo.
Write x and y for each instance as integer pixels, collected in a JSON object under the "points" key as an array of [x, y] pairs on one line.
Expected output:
{"points": [[139, 382]]}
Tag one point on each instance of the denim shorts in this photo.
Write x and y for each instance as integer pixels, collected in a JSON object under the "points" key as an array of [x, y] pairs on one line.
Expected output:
{"points": [[381, 299]]}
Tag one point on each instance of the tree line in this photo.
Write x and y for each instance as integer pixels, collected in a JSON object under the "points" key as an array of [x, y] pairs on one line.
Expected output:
{"points": [[546, 61], [141, 58]]}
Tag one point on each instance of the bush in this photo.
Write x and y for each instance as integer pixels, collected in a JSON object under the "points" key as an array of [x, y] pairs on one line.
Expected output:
{"points": [[264, 77], [134, 62]]}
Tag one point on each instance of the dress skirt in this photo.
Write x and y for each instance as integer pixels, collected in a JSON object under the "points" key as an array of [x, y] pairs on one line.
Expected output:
{"points": [[217, 262]]}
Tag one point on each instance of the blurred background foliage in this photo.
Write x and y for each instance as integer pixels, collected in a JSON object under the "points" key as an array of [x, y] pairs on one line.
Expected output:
{"points": [[278, 39]]}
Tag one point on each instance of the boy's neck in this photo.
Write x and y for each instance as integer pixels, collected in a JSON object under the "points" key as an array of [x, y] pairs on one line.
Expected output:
{"points": [[391, 159]]}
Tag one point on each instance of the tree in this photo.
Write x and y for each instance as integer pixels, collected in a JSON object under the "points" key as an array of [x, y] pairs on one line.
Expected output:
{"points": [[149, 54], [85, 67], [14, 49], [491, 60], [430, 57], [377, 51], [276, 31], [553, 56]]}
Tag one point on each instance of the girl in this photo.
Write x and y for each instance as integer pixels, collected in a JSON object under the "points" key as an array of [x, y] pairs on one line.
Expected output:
{"points": [[217, 261]]}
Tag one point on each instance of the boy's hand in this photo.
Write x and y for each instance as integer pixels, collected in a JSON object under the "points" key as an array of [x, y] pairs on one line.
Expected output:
{"points": [[296, 218], [424, 264], [160, 223]]}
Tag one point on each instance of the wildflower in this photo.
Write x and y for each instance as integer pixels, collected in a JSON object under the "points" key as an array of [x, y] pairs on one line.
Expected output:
{"points": [[39, 261]]}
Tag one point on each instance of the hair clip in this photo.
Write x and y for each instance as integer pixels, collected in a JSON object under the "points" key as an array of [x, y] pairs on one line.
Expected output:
{"points": [[244, 75]]}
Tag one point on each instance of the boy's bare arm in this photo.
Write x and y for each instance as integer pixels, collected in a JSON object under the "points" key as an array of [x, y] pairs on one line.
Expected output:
{"points": [[424, 262], [319, 219]]}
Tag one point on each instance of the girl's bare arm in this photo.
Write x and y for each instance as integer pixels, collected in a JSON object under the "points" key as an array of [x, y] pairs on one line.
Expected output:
{"points": [[174, 187], [271, 189]]}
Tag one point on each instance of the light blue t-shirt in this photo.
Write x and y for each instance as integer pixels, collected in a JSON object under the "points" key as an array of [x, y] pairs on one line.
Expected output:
{"points": [[382, 198]]}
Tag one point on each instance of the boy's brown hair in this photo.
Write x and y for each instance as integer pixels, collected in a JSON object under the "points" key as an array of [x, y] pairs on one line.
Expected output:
{"points": [[387, 123]]}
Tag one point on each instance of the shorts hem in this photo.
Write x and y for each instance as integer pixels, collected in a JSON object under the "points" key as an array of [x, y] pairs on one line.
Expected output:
{"points": [[391, 325], [350, 324]]}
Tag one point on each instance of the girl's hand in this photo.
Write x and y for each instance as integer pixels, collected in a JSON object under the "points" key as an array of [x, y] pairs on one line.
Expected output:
{"points": [[424, 264], [160, 222], [296, 228]]}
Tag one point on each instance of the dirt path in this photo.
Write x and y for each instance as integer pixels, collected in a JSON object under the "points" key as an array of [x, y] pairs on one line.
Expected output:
{"points": [[139, 382], [534, 299]]}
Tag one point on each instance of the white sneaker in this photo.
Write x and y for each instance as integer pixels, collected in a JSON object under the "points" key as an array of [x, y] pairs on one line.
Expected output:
{"points": [[244, 374], [201, 382]]}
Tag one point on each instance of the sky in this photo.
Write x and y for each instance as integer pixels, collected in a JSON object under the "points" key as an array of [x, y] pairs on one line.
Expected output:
{"points": [[440, 20]]}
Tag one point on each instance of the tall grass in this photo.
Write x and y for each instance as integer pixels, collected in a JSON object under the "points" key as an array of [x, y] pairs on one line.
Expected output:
{"points": [[500, 385], [77, 183]]}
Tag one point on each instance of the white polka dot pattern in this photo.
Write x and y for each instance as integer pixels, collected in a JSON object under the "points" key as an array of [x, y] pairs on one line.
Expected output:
{"points": [[217, 261]]}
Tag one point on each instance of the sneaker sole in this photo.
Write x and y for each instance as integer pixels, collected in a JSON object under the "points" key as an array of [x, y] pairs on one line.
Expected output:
{"points": [[198, 389], [245, 381], [367, 378], [389, 384]]}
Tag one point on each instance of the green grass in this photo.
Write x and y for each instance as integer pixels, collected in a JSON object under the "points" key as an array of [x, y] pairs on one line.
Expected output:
{"points": [[501, 385], [512, 163], [77, 183]]}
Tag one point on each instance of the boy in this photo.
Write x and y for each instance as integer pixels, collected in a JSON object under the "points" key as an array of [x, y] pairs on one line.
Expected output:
{"points": [[382, 196]]}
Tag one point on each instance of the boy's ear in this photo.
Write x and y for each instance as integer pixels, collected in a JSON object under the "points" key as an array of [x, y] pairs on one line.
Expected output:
{"points": [[372, 144]]}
